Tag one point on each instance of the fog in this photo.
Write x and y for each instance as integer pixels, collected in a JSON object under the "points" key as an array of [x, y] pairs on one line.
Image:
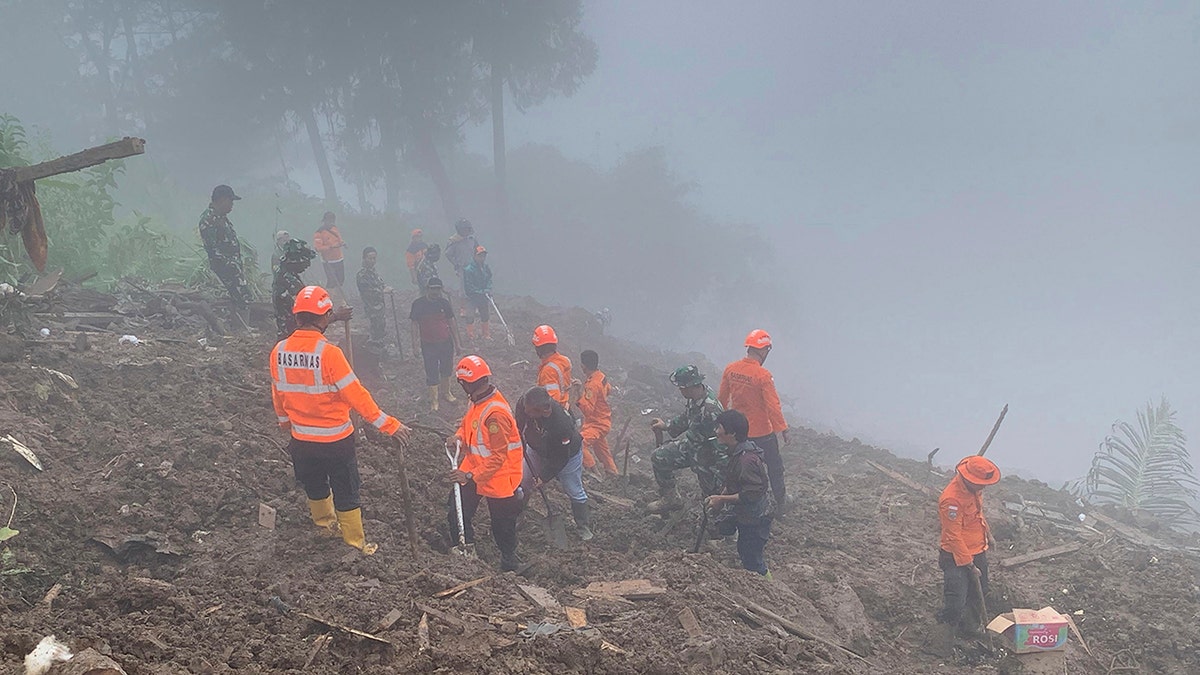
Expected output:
{"points": [[936, 208]]}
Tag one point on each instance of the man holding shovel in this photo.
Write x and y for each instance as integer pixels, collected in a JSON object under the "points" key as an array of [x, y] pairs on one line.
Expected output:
{"points": [[964, 541], [554, 452], [491, 464]]}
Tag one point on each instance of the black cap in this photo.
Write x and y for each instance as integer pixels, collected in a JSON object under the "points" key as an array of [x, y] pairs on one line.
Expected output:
{"points": [[224, 191], [434, 283]]}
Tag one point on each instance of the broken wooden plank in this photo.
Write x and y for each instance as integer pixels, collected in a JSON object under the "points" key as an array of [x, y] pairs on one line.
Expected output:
{"points": [[796, 629], [126, 147], [1130, 533], [576, 616], [542, 598], [51, 595], [610, 499], [449, 619], [691, 626], [266, 516], [283, 608], [319, 644], [389, 620], [902, 479], [463, 586], [630, 589], [423, 644], [1040, 555]]}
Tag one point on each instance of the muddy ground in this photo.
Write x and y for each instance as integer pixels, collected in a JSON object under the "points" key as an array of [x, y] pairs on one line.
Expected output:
{"points": [[147, 516]]}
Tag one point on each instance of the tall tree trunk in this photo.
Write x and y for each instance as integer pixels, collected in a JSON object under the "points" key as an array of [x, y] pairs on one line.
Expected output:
{"points": [[361, 183], [499, 158], [431, 163], [318, 149], [391, 166]]}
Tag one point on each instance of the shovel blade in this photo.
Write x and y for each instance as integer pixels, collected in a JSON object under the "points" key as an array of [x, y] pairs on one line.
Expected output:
{"points": [[467, 551], [558, 531]]}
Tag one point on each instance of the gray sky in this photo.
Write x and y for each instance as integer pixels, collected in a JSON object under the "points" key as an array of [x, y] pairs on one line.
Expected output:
{"points": [[977, 203]]}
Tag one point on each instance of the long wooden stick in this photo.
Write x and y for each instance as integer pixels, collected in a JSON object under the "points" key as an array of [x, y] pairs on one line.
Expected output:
{"points": [[795, 628], [406, 498], [995, 428], [125, 147], [349, 344]]}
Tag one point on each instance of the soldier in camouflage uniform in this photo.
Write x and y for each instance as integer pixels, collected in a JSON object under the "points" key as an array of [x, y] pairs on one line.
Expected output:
{"points": [[427, 268], [372, 289], [225, 251], [695, 443], [295, 257]]}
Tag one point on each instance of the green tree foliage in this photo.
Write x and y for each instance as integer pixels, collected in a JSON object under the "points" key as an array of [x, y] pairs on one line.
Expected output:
{"points": [[1146, 468]]}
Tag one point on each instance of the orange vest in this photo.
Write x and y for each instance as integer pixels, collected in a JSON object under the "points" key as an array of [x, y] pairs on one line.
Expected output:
{"points": [[492, 445], [749, 388], [555, 376], [594, 403], [328, 242], [964, 529], [313, 390]]}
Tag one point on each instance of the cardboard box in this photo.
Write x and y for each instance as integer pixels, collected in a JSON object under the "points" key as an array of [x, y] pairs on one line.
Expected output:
{"points": [[1042, 630]]}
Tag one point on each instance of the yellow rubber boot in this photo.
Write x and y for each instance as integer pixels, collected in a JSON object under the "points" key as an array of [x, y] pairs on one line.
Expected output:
{"points": [[352, 531], [445, 391], [322, 513], [433, 397]]}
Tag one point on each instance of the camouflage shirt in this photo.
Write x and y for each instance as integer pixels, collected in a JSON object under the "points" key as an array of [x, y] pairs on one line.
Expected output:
{"points": [[220, 239], [370, 289], [284, 287], [698, 425], [426, 270]]}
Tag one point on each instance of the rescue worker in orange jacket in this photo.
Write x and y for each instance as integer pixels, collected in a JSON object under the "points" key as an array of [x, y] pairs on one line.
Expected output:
{"points": [[555, 371], [492, 461], [964, 541], [414, 254], [748, 387], [591, 397], [328, 242], [313, 390]]}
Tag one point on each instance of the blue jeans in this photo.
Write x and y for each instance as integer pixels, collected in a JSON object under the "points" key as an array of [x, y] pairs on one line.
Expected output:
{"points": [[570, 479], [752, 538]]}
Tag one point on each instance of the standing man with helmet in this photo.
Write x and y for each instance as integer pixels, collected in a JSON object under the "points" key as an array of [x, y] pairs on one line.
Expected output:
{"points": [[295, 257], [554, 373], [749, 387], [427, 266], [459, 251], [225, 252], [964, 540], [492, 462], [696, 443], [414, 253], [477, 283], [328, 242], [313, 390]]}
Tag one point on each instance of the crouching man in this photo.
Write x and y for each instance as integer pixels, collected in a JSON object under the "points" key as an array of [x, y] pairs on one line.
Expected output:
{"points": [[746, 492]]}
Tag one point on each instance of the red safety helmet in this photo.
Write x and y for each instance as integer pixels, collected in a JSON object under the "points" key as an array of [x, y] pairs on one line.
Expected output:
{"points": [[979, 470], [758, 338], [312, 299], [472, 369], [417, 233], [544, 335], [480, 249]]}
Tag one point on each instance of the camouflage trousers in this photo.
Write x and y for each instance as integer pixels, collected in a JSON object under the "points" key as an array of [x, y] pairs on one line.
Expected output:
{"points": [[231, 276], [706, 462], [284, 324], [378, 330]]}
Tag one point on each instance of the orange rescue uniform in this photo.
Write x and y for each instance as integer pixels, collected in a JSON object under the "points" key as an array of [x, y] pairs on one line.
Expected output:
{"points": [[493, 447], [749, 388], [597, 422], [555, 376], [313, 390], [328, 242], [964, 529]]}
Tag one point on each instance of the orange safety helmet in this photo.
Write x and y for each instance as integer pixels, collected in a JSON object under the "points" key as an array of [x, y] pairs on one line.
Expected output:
{"points": [[544, 335], [758, 338], [480, 249], [417, 233], [978, 470], [312, 299], [472, 369]]}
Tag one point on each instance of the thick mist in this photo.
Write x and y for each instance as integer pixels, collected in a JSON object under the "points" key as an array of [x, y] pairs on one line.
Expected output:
{"points": [[935, 208]]}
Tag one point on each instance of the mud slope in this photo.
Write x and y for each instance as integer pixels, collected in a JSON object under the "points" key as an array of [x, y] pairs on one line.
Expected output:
{"points": [[155, 466]]}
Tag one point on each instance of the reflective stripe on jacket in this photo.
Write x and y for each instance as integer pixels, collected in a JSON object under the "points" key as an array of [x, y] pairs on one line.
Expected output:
{"points": [[964, 529], [594, 403], [749, 388], [555, 376], [328, 242], [492, 446], [313, 389]]}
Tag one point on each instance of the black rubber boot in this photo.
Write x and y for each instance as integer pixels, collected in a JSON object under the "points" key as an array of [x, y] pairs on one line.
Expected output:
{"points": [[582, 513]]}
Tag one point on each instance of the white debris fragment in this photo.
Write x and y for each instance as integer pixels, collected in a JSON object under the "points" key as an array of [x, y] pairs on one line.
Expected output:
{"points": [[24, 451], [129, 340], [48, 652], [45, 332]]}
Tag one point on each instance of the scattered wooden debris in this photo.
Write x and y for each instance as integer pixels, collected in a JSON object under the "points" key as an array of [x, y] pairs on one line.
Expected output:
{"points": [[629, 589], [423, 644], [266, 516], [542, 598], [463, 586], [153, 583], [283, 608], [576, 616], [610, 499], [88, 662], [389, 620], [212, 610], [794, 628], [63, 377], [1040, 555], [23, 451], [318, 646], [51, 595], [1130, 533], [902, 479], [605, 645], [448, 619], [691, 626]]}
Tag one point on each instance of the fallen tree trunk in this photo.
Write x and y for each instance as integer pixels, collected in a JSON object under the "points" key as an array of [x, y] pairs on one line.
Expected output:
{"points": [[126, 147]]}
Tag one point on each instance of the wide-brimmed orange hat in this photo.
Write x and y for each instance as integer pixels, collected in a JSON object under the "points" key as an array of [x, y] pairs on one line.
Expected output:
{"points": [[978, 470]]}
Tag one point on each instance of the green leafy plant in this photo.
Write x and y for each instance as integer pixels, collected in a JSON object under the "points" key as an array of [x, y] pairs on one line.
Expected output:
{"points": [[7, 532], [9, 565], [1146, 468]]}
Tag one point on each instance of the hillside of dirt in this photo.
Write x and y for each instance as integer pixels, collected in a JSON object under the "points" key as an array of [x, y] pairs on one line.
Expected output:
{"points": [[141, 538]]}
